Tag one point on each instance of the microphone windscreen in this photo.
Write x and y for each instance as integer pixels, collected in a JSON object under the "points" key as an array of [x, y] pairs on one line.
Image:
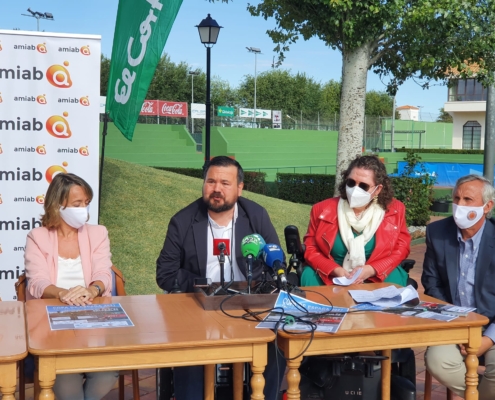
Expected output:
{"points": [[251, 246]]}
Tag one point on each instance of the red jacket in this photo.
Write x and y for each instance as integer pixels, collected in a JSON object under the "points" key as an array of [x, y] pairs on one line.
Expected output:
{"points": [[392, 240]]}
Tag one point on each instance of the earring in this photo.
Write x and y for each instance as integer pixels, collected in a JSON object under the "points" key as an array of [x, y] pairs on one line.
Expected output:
{"points": [[375, 199]]}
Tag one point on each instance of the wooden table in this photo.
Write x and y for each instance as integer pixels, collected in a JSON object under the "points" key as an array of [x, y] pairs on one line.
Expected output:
{"points": [[12, 345], [170, 330], [365, 331]]}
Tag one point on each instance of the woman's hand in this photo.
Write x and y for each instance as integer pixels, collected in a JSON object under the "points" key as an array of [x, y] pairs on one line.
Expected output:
{"points": [[367, 271], [340, 272], [77, 296]]}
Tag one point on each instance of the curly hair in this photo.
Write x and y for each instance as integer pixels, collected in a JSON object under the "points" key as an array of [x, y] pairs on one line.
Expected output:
{"points": [[371, 163]]}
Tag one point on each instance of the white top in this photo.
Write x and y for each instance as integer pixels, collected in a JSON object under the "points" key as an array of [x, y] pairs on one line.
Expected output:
{"points": [[70, 273], [212, 264]]}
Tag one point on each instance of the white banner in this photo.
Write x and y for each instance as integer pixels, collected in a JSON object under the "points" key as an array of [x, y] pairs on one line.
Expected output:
{"points": [[49, 123], [249, 113], [277, 119], [198, 111]]}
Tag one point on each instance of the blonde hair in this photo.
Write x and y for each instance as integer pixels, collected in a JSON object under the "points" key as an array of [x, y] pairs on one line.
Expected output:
{"points": [[58, 194]]}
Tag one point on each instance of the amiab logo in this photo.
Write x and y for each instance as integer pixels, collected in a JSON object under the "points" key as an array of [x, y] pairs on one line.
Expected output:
{"points": [[42, 48], [58, 127], [59, 76], [84, 101], [41, 99], [41, 150], [85, 51], [1, 151], [54, 170], [40, 199], [1, 249], [84, 151], [1, 100], [1, 201]]}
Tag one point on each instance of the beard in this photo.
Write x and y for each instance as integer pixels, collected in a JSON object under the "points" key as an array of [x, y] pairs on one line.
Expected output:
{"points": [[210, 203]]}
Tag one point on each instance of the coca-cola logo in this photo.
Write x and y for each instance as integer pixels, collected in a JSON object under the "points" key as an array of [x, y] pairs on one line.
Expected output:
{"points": [[176, 109], [147, 107]]}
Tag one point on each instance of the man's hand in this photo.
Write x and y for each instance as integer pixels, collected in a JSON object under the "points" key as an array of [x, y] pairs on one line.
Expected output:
{"points": [[486, 343], [341, 272], [77, 296], [367, 271]]}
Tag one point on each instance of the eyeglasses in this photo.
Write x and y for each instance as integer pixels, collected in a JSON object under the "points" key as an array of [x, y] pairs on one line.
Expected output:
{"points": [[351, 183]]}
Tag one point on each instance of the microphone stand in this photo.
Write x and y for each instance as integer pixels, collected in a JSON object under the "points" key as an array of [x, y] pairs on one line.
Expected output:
{"points": [[249, 272], [221, 260]]}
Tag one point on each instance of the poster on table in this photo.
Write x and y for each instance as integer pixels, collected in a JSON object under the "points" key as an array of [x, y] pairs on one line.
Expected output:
{"points": [[49, 123]]}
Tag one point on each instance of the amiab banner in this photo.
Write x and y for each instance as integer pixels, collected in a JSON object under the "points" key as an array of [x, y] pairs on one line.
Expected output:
{"points": [[49, 123], [141, 31]]}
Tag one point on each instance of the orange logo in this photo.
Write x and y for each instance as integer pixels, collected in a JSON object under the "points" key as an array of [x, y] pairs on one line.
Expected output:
{"points": [[85, 51], [84, 151], [58, 126], [1, 98], [1, 199], [84, 101], [41, 99], [0, 46], [42, 48], [59, 76], [472, 215], [41, 198], [41, 150], [0, 249], [54, 170], [1, 151]]}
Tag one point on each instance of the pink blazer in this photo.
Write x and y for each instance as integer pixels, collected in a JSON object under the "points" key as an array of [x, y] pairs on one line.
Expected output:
{"points": [[41, 258]]}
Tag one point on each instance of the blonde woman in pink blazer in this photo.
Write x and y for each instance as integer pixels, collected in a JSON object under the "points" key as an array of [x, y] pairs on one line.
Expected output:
{"points": [[70, 260]]}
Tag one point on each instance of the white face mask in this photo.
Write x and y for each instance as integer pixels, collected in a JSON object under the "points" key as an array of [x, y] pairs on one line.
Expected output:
{"points": [[75, 216], [357, 197], [465, 217]]}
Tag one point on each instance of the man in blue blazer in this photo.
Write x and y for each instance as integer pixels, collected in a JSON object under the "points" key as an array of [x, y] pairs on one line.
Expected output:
{"points": [[188, 253], [459, 268]]}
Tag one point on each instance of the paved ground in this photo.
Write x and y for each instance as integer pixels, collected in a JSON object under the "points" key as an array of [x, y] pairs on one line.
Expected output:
{"points": [[147, 384]]}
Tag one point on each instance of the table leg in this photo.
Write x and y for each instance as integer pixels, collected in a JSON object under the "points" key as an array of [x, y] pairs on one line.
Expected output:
{"points": [[471, 361], [46, 373], [209, 381], [260, 357], [237, 372], [8, 380], [386, 374], [293, 379]]}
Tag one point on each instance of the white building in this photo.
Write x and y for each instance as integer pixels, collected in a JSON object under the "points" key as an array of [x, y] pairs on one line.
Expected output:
{"points": [[408, 113], [467, 105]]}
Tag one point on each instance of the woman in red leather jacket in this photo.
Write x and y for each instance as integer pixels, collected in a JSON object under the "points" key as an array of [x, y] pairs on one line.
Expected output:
{"points": [[364, 229]]}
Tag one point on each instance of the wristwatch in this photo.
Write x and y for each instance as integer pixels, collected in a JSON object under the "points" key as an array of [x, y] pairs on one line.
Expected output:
{"points": [[97, 288]]}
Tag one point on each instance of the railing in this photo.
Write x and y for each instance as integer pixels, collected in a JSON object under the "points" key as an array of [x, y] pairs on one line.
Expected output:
{"points": [[293, 169]]}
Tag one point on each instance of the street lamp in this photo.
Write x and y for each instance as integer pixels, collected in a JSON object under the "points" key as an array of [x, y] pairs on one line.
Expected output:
{"points": [[38, 15], [192, 73], [208, 34], [256, 51], [295, 122]]}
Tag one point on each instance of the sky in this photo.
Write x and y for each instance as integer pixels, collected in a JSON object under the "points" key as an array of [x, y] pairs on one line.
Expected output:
{"points": [[230, 59]]}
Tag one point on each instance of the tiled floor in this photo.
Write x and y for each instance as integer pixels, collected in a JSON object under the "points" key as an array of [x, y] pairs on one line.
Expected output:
{"points": [[147, 384]]}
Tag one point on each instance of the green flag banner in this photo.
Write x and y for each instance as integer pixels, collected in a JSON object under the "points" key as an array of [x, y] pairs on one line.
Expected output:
{"points": [[141, 31]]}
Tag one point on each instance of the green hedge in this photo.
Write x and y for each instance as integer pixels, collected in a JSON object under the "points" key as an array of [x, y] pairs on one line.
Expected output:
{"points": [[253, 181], [305, 188], [441, 151]]}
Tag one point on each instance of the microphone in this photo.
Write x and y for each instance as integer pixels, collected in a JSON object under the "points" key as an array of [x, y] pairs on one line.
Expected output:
{"points": [[251, 247], [295, 248], [273, 257]]}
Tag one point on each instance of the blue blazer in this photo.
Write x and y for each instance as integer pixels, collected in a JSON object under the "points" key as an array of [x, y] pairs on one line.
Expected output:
{"points": [[441, 265]]}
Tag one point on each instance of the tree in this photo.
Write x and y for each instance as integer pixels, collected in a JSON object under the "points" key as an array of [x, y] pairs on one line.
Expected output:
{"points": [[399, 38], [444, 116], [104, 74], [378, 104]]}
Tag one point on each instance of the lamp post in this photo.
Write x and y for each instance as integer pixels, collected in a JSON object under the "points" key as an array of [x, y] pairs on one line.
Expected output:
{"points": [[38, 15], [256, 51], [208, 34], [192, 73]]}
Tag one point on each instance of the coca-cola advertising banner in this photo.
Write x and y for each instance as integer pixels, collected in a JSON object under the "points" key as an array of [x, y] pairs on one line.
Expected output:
{"points": [[164, 108]]}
